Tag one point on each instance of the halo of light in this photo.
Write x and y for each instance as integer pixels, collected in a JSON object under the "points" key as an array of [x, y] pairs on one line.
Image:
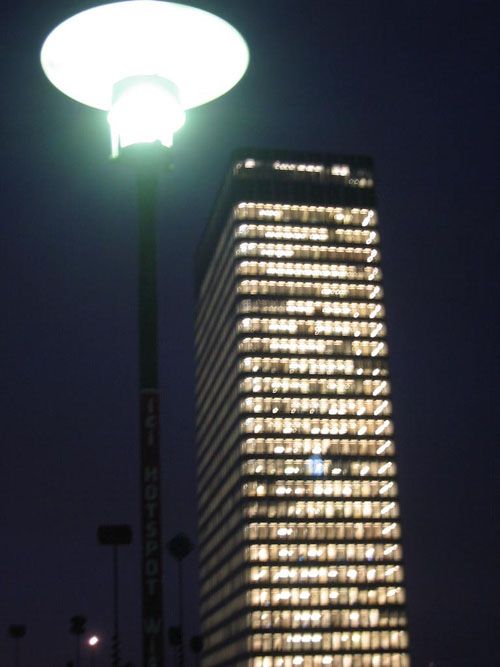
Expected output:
{"points": [[201, 54]]}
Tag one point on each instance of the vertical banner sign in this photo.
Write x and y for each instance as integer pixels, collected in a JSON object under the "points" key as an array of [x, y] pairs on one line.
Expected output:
{"points": [[152, 604]]}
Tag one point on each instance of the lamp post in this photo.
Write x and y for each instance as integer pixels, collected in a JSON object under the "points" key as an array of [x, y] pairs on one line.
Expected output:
{"points": [[146, 63], [179, 547], [77, 628], [93, 642], [115, 536], [17, 632]]}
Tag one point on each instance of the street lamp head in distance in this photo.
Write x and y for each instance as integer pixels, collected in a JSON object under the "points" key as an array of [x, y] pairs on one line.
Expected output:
{"points": [[145, 62]]}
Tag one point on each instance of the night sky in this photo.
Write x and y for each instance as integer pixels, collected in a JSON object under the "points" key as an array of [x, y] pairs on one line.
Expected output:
{"points": [[410, 83]]}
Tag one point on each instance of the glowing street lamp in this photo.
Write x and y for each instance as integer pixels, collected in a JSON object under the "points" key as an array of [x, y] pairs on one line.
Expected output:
{"points": [[93, 641], [146, 63]]}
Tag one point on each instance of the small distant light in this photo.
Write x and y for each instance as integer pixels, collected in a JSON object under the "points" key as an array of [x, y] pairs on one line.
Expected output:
{"points": [[93, 641]]}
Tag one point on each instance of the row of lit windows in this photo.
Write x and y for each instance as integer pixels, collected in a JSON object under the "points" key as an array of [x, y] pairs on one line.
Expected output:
{"points": [[318, 509], [358, 328], [313, 366], [319, 530], [298, 233], [316, 426], [292, 474], [362, 217], [341, 574], [335, 170], [306, 597], [310, 308], [331, 641], [342, 171], [322, 531], [312, 289], [291, 385], [298, 554], [316, 466], [298, 499], [271, 509], [324, 553], [307, 252], [309, 596], [351, 660], [312, 405], [330, 488], [324, 346], [294, 233], [305, 270], [317, 447], [327, 366], [291, 532], [317, 618]]}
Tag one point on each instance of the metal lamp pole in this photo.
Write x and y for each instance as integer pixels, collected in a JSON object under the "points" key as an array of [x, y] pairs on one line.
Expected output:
{"points": [[151, 61], [115, 536], [179, 547], [148, 161], [17, 632]]}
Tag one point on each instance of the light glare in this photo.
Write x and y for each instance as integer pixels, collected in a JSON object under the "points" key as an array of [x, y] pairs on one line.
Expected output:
{"points": [[86, 55], [193, 52], [145, 110]]}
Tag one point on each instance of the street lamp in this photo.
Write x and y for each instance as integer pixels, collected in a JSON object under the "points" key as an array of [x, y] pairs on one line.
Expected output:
{"points": [[146, 63], [93, 641], [179, 547], [115, 536], [17, 632], [77, 628]]}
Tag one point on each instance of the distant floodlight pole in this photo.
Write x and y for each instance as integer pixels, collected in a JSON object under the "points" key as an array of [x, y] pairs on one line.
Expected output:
{"points": [[93, 642], [17, 632], [146, 63], [115, 536], [179, 547]]}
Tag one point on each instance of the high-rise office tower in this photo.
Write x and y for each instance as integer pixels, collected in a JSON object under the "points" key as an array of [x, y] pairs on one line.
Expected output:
{"points": [[300, 553]]}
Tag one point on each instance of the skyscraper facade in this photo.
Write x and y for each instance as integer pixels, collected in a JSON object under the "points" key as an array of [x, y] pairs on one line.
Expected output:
{"points": [[299, 532]]}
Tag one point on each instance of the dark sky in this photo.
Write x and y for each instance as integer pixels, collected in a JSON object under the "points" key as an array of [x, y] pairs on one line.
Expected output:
{"points": [[410, 83]]}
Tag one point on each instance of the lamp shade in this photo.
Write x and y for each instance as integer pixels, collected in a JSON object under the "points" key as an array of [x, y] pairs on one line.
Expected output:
{"points": [[181, 55]]}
